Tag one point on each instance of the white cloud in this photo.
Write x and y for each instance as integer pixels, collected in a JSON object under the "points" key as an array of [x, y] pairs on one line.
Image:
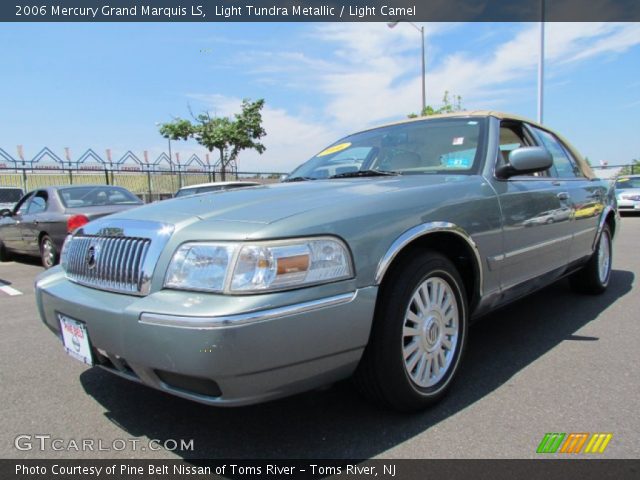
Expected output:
{"points": [[372, 74]]}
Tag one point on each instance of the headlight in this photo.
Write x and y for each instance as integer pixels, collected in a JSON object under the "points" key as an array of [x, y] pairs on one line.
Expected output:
{"points": [[258, 267]]}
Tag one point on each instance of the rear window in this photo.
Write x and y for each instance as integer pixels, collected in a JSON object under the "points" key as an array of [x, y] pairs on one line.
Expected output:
{"points": [[79, 197], [10, 195]]}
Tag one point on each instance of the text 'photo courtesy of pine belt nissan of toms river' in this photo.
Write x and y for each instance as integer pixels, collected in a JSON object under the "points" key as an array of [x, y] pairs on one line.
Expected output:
{"points": [[369, 260]]}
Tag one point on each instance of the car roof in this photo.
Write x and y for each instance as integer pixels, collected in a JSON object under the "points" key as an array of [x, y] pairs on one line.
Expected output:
{"points": [[462, 114], [221, 184], [94, 185]]}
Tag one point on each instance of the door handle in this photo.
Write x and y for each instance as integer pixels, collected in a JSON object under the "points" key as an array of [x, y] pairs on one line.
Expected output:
{"points": [[563, 196]]}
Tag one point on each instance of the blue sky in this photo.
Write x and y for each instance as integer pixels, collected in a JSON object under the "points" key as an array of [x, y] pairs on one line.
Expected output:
{"points": [[106, 85]]}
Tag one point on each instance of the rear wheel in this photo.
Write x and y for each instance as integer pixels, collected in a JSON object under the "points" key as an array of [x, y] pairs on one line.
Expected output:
{"points": [[418, 336], [594, 277], [48, 252]]}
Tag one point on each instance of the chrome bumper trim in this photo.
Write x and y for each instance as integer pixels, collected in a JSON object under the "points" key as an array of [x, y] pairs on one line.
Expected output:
{"points": [[209, 323]]}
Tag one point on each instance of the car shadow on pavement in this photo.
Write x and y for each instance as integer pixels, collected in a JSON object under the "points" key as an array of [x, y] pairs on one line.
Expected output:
{"points": [[26, 259], [336, 422]]}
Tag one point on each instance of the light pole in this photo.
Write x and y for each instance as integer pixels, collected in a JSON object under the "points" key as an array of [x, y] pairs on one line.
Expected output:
{"points": [[541, 66], [424, 68]]}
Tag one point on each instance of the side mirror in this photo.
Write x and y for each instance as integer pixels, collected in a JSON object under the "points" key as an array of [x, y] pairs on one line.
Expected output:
{"points": [[284, 177], [5, 212], [526, 160]]}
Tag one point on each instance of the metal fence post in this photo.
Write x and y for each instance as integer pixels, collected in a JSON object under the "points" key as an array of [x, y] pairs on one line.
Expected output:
{"points": [[106, 175], [149, 187], [24, 180]]}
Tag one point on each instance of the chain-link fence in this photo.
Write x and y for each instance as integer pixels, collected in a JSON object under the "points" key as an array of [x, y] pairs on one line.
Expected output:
{"points": [[150, 184]]}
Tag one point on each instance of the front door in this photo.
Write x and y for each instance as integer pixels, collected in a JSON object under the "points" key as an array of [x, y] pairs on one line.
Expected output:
{"points": [[536, 212]]}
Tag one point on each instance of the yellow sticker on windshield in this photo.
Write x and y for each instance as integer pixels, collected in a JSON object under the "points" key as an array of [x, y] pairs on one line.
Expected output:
{"points": [[334, 149]]}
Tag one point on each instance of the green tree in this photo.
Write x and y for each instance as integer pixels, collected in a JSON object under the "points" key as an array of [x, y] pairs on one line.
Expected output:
{"points": [[448, 106], [631, 169], [229, 136]]}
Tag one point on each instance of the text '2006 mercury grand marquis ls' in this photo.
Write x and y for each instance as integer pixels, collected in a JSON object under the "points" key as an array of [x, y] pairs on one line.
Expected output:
{"points": [[370, 260]]}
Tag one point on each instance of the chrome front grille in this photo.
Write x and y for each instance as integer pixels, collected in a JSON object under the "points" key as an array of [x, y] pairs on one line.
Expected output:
{"points": [[113, 263]]}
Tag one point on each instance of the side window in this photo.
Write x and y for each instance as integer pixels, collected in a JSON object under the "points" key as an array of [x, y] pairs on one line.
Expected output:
{"points": [[38, 203], [563, 165], [512, 136]]}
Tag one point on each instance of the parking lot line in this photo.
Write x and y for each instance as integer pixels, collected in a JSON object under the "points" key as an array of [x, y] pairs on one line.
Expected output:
{"points": [[5, 288]]}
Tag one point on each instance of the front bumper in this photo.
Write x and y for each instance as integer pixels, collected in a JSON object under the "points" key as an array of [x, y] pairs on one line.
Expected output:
{"points": [[197, 347], [628, 205]]}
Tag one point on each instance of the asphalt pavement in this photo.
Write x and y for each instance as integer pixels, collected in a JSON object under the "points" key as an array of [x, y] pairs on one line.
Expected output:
{"points": [[553, 362]]}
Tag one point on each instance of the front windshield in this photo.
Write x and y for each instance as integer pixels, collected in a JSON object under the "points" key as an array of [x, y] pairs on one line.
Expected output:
{"points": [[434, 146], [75, 197], [628, 182]]}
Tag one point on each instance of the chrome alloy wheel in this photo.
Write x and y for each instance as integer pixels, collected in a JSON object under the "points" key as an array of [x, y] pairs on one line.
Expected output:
{"points": [[430, 332], [604, 258], [48, 253]]}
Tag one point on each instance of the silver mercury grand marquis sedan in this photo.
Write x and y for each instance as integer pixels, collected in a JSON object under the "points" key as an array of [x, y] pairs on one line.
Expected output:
{"points": [[370, 260]]}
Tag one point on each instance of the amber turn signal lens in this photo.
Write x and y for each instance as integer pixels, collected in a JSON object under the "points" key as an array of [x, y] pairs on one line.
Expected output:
{"points": [[295, 264]]}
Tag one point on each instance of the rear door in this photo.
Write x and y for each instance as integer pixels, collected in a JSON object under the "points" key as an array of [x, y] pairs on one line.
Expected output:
{"points": [[34, 221], [536, 214], [587, 197]]}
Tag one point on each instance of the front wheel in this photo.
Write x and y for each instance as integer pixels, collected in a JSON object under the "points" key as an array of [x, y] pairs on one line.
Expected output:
{"points": [[594, 277], [48, 252], [418, 336]]}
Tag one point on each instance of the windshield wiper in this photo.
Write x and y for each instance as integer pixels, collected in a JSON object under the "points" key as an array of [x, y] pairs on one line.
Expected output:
{"points": [[298, 179], [365, 173]]}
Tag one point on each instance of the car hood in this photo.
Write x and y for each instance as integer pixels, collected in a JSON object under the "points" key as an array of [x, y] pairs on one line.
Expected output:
{"points": [[271, 203]]}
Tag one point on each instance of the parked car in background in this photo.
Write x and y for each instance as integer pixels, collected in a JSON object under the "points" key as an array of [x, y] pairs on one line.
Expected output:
{"points": [[376, 270], [556, 215], [628, 193], [40, 221], [212, 187], [9, 196]]}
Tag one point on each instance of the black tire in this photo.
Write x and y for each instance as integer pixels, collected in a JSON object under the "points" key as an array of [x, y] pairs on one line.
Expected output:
{"points": [[590, 279], [4, 253], [49, 255], [383, 374]]}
